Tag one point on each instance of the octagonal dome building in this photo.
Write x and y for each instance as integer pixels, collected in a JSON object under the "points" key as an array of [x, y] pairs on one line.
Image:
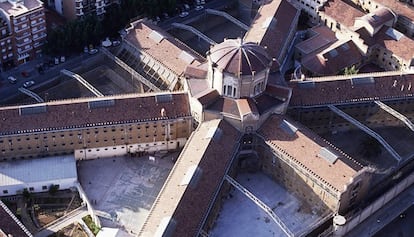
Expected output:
{"points": [[238, 69]]}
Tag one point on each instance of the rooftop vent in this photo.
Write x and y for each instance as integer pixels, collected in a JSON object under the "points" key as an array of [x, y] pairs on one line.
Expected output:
{"points": [[288, 127], [166, 227], [362, 80], [270, 22], [333, 53], [192, 176], [345, 46], [186, 57], [28, 110], [101, 104], [395, 34], [214, 133], [156, 36], [164, 98], [328, 155]]}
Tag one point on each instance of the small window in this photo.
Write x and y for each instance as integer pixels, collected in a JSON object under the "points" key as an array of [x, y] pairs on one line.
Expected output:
{"points": [[44, 187], [31, 189], [5, 191]]}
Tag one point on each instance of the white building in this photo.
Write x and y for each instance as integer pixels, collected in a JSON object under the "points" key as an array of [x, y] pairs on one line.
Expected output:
{"points": [[36, 175]]}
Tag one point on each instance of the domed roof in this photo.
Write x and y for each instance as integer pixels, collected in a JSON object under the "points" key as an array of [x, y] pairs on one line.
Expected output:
{"points": [[238, 57]]}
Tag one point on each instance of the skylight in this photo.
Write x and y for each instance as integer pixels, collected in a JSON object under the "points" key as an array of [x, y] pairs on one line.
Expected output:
{"points": [[156, 36], [395, 34], [328, 155]]}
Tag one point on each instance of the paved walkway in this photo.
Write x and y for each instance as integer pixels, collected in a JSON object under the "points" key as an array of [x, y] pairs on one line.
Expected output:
{"points": [[61, 223]]}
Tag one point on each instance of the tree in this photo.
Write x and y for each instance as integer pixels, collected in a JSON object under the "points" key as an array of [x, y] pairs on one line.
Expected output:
{"points": [[351, 70], [53, 189]]}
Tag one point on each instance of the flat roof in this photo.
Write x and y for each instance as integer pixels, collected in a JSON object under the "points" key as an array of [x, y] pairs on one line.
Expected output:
{"points": [[304, 148], [181, 206], [19, 8], [37, 170]]}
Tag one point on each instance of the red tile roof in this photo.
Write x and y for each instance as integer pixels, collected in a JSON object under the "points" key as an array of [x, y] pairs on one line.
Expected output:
{"points": [[333, 59], [399, 7], [162, 47], [76, 113], [271, 27], [188, 205], [381, 38], [341, 89], [272, 97], [239, 57], [343, 12], [321, 38], [192, 71], [303, 149], [208, 97]]}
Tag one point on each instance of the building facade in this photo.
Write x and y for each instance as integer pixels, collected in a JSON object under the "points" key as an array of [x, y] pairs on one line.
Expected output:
{"points": [[168, 129], [25, 34], [77, 9]]}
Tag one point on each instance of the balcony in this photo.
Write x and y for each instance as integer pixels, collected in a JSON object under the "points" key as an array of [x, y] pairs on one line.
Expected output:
{"points": [[39, 22], [23, 51], [21, 44], [37, 15], [79, 12], [23, 56], [24, 35], [17, 30], [38, 44], [41, 36], [35, 30]]}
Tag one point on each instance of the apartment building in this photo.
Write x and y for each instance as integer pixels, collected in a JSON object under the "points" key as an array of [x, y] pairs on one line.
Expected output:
{"points": [[23, 30], [75, 9], [6, 45]]}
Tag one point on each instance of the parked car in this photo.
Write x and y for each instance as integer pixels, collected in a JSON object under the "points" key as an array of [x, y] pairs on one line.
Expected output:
{"points": [[116, 43], [12, 79], [199, 7], [28, 84], [93, 51], [183, 14]]}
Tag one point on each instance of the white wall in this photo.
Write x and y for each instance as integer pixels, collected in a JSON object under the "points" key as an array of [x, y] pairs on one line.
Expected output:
{"points": [[122, 150], [18, 188]]}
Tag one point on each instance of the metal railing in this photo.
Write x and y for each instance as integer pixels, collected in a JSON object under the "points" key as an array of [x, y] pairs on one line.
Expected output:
{"points": [[195, 31], [228, 17], [396, 114], [83, 82], [261, 204], [367, 130], [31, 94]]}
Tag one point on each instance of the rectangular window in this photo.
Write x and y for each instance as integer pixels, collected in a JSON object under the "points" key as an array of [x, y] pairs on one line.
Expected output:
{"points": [[5, 191], [44, 187]]}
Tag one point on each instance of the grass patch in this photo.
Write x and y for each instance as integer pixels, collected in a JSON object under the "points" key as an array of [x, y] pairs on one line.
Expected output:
{"points": [[91, 225]]}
